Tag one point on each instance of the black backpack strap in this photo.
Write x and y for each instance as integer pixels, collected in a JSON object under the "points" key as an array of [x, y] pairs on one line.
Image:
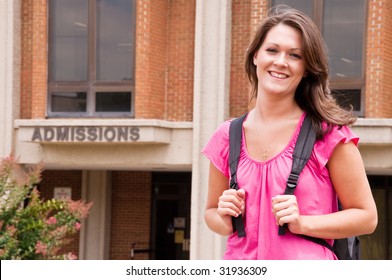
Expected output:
{"points": [[302, 151], [319, 241], [235, 137]]}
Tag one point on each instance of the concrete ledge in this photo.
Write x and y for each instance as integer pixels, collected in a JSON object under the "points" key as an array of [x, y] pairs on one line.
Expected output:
{"points": [[108, 144], [374, 131], [95, 131]]}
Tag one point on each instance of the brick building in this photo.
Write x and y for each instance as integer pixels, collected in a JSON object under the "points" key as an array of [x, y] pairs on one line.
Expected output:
{"points": [[118, 97]]}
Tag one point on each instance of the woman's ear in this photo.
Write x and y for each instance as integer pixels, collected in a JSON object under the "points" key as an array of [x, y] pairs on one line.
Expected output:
{"points": [[255, 59], [305, 74]]}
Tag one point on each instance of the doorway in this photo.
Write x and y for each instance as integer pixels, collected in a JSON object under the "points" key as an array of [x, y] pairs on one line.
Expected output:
{"points": [[171, 197], [378, 245]]}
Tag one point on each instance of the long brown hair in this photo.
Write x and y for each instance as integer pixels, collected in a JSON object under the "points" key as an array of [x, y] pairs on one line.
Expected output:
{"points": [[313, 94]]}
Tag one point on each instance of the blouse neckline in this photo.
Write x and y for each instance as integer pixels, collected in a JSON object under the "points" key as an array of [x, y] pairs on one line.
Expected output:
{"points": [[291, 142]]}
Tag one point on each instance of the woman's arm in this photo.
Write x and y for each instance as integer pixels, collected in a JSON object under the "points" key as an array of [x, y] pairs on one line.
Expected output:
{"points": [[222, 203], [348, 176]]}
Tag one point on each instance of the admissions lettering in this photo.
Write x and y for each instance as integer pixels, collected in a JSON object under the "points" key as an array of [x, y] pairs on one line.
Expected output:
{"points": [[86, 134]]}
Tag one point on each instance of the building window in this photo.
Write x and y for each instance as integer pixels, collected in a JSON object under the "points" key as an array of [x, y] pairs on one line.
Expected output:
{"points": [[343, 25], [91, 58]]}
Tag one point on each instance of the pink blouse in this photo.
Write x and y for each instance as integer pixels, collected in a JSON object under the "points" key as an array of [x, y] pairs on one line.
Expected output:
{"points": [[264, 180]]}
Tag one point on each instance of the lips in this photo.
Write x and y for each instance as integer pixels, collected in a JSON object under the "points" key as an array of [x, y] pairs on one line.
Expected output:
{"points": [[278, 75]]}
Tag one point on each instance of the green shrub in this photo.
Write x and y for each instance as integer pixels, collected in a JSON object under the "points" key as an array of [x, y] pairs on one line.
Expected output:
{"points": [[31, 228]]}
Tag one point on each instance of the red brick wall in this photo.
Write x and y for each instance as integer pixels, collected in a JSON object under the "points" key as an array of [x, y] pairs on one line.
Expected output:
{"points": [[180, 63], [63, 178], [33, 59], [379, 60], [246, 17], [386, 110], [240, 38], [131, 213], [164, 59], [151, 51]]}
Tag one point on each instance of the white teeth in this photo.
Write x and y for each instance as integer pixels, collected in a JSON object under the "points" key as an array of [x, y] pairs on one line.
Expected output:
{"points": [[278, 75]]}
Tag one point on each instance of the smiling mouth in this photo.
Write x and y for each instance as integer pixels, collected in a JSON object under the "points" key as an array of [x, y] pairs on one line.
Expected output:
{"points": [[278, 75]]}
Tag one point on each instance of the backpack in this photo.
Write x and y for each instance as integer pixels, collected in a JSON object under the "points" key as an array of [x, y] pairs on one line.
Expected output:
{"points": [[345, 248]]}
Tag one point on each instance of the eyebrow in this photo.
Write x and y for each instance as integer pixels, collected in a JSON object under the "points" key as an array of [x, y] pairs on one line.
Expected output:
{"points": [[277, 45]]}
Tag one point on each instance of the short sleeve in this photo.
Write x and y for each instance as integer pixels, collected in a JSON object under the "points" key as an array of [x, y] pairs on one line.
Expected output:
{"points": [[217, 148], [324, 148]]}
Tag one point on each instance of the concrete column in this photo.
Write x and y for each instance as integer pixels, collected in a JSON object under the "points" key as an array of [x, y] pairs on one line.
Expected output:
{"points": [[10, 22], [211, 98], [95, 232]]}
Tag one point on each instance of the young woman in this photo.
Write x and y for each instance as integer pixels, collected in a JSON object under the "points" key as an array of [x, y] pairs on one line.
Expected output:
{"points": [[287, 66]]}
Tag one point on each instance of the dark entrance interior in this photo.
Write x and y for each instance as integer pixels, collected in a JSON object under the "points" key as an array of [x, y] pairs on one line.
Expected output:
{"points": [[378, 245], [171, 196]]}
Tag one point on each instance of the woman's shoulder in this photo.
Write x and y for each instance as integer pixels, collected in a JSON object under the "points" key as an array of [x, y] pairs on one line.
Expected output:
{"points": [[339, 133], [324, 147], [217, 147]]}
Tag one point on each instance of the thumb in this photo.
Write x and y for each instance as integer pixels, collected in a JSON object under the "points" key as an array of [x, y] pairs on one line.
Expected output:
{"points": [[241, 193]]}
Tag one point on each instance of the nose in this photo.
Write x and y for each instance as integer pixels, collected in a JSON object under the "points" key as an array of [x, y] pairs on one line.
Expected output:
{"points": [[281, 60]]}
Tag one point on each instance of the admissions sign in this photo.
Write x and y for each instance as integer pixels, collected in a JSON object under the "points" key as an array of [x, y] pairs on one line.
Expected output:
{"points": [[86, 134]]}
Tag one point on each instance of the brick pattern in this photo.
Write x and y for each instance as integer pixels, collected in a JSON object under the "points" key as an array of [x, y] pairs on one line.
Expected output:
{"points": [[33, 59], [258, 12], [246, 17], [131, 213], [165, 33], [240, 39], [374, 81], [378, 95], [63, 178], [386, 110], [180, 62], [151, 49]]}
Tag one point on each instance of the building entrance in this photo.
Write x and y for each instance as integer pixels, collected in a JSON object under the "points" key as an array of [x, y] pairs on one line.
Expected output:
{"points": [[171, 196], [378, 246]]}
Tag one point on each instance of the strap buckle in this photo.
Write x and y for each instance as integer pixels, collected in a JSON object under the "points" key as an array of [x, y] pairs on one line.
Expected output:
{"points": [[292, 181]]}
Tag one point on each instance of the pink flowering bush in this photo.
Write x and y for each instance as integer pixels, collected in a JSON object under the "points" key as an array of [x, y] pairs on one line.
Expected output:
{"points": [[31, 228]]}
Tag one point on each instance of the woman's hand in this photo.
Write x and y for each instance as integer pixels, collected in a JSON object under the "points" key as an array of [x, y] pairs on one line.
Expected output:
{"points": [[231, 203], [286, 211], [222, 203]]}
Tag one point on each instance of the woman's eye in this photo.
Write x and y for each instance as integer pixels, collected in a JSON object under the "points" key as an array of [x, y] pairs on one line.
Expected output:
{"points": [[295, 55], [270, 50]]}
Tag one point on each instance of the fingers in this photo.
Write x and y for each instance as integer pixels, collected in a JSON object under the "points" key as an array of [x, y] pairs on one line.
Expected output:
{"points": [[285, 209], [231, 203], [241, 193]]}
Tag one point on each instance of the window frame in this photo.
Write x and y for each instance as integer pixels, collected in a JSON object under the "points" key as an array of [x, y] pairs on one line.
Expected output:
{"points": [[92, 85], [340, 83]]}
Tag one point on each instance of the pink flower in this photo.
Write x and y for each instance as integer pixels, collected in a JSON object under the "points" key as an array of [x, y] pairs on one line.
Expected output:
{"points": [[41, 248], [77, 225], [51, 221], [80, 208]]}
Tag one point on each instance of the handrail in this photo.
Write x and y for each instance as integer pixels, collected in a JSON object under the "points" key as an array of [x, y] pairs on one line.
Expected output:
{"points": [[135, 250]]}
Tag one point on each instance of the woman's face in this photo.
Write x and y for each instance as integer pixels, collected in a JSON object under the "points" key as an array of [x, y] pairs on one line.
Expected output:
{"points": [[279, 61]]}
